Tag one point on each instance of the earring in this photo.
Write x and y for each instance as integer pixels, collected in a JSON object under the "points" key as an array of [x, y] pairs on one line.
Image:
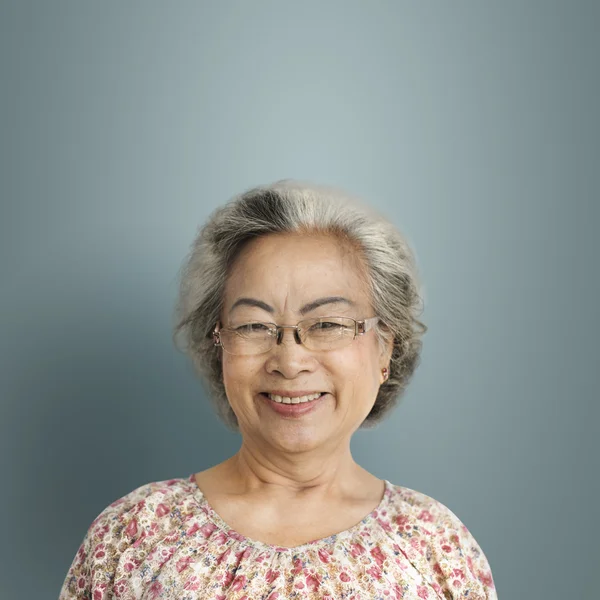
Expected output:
{"points": [[385, 374]]}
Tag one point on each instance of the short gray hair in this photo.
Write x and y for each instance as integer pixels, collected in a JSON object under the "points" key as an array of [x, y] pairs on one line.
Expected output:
{"points": [[295, 206]]}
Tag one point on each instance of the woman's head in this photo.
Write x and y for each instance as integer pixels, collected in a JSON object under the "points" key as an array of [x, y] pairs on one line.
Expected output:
{"points": [[275, 254]]}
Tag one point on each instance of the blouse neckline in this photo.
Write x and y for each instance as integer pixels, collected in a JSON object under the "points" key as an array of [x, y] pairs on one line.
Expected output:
{"points": [[216, 519]]}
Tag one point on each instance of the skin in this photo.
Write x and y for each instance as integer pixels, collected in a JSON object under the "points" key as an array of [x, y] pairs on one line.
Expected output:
{"points": [[297, 473]]}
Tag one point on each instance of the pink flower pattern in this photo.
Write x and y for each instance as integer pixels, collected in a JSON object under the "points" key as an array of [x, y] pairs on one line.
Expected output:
{"points": [[163, 541]]}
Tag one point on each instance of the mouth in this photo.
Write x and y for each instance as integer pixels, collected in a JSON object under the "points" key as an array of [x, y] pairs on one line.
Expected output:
{"points": [[293, 399], [294, 407]]}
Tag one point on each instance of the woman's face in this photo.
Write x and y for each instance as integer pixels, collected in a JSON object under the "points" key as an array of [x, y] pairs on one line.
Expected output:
{"points": [[287, 272]]}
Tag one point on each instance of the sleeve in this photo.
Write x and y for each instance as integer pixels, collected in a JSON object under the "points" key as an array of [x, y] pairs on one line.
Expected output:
{"points": [[77, 581], [461, 568], [92, 572]]}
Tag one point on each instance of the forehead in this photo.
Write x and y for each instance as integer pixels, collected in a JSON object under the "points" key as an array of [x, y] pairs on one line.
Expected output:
{"points": [[294, 268]]}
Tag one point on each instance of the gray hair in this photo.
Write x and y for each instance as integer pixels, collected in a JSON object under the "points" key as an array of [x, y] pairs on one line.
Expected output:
{"points": [[294, 206]]}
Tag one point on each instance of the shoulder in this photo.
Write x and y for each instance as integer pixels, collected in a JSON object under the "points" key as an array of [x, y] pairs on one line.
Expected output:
{"points": [[439, 545], [129, 515], [128, 526]]}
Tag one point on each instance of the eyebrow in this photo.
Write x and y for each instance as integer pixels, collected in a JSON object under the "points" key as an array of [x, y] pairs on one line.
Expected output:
{"points": [[305, 309]]}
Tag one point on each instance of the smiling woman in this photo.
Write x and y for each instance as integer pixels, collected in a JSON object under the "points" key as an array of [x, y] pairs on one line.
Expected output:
{"points": [[299, 307]]}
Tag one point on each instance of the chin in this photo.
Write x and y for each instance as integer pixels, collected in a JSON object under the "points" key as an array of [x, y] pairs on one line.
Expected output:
{"points": [[296, 439]]}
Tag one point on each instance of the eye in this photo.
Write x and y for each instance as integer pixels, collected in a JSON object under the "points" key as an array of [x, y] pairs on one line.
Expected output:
{"points": [[323, 325], [252, 328]]}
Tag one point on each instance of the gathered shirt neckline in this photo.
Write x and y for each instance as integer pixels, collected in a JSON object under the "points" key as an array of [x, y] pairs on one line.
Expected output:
{"points": [[164, 540], [216, 519]]}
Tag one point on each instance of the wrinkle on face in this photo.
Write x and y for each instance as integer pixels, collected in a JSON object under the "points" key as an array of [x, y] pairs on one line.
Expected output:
{"points": [[287, 271]]}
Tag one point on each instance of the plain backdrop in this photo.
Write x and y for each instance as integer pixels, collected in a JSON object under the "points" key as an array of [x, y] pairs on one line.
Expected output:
{"points": [[472, 125]]}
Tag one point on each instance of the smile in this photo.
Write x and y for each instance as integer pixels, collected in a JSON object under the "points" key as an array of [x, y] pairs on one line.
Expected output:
{"points": [[294, 400]]}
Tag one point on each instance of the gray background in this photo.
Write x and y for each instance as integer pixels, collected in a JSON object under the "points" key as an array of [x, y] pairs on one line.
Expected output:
{"points": [[472, 125]]}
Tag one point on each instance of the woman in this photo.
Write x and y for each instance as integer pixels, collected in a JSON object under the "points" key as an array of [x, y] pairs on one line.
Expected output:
{"points": [[299, 307]]}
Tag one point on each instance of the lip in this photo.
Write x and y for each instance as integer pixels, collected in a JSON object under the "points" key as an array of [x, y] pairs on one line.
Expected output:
{"points": [[293, 410], [289, 394]]}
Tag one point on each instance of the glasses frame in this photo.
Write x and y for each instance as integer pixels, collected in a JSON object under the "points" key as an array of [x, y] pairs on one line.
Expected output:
{"points": [[361, 327]]}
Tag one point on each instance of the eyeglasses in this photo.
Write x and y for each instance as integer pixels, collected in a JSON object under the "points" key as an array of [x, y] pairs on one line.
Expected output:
{"points": [[323, 333]]}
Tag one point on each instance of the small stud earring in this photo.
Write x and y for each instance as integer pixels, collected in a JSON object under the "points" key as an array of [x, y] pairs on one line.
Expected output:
{"points": [[385, 374]]}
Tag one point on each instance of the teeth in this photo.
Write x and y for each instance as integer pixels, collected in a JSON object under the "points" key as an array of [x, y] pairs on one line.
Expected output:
{"points": [[298, 400]]}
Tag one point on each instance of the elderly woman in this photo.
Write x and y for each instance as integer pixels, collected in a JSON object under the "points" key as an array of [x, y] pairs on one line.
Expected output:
{"points": [[299, 307]]}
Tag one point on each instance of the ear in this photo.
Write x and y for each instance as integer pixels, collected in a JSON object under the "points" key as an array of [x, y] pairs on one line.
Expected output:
{"points": [[219, 349], [387, 348], [386, 356]]}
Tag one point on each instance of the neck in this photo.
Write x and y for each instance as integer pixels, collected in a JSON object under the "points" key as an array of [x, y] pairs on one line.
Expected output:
{"points": [[307, 475]]}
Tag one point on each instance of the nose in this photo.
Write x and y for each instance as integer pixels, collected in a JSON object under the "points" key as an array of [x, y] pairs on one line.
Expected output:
{"points": [[289, 357], [294, 332]]}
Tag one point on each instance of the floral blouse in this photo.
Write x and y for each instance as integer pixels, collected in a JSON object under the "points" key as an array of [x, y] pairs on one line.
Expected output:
{"points": [[164, 541]]}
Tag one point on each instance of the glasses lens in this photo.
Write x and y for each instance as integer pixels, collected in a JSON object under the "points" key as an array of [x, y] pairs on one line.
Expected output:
{"points": [[327, 333], [250, 338]]}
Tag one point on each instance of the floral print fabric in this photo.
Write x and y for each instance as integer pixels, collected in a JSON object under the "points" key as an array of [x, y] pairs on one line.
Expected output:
{"points": [[164, 541]]}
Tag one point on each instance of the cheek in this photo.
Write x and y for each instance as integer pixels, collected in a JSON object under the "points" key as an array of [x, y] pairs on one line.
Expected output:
{"points": [[238, 373], [367, 354], [358, 365]]}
